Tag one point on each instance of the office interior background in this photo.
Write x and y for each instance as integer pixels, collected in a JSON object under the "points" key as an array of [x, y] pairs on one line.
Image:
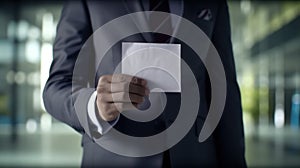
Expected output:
{"points": [[266, 44]]}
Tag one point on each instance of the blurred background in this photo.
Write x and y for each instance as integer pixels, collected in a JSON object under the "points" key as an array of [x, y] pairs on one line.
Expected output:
{"points": [[266, 43]]}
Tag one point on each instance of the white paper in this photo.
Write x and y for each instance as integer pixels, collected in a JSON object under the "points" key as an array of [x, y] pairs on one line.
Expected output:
{"points": [[158, 63]]}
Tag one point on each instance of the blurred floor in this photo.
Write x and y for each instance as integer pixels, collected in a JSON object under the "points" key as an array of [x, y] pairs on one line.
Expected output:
{"points": [[58, 147], [61, 147], [271, 147]]}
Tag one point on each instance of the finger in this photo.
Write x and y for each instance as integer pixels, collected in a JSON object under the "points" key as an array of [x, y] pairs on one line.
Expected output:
{"points": [[123, 87], [116, 78], [138, 81], [120, 97], [105, 79], [104, 88], [139, 90], [126, 97], [129, 87]]}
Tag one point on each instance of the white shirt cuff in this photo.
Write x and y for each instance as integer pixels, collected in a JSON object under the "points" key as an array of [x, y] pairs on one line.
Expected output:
{"points": [[102, 126]]}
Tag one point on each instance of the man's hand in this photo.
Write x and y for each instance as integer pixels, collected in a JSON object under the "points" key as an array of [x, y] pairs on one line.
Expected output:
{"points": [[119, 92]]}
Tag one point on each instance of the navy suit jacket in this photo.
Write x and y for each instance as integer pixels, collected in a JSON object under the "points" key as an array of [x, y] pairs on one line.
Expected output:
{"points": [[79, 19]]}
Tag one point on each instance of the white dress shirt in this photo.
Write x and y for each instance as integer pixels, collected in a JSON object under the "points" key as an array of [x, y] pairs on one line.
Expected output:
{"points": [[102, 126]]}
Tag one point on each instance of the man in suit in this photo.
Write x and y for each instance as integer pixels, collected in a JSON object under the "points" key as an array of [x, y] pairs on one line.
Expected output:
{"points": [[99, 102]]}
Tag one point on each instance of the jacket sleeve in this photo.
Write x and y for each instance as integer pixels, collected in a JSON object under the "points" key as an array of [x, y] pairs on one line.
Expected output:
{"points": [[66, 92], [229, 133]]}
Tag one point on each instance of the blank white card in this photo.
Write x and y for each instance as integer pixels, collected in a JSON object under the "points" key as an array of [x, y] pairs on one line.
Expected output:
{"points": [[158, 63]]}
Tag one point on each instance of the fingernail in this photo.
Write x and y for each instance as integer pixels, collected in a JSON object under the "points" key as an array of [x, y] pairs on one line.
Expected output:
{"points": [[134, 80]]}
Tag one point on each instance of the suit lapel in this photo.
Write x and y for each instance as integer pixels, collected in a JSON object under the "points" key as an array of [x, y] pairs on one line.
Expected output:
{"points": [[140, 21]]}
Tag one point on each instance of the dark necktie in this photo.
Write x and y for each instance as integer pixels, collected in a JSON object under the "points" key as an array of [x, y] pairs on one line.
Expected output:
{"points": [[160, 23], [164, 24]]}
